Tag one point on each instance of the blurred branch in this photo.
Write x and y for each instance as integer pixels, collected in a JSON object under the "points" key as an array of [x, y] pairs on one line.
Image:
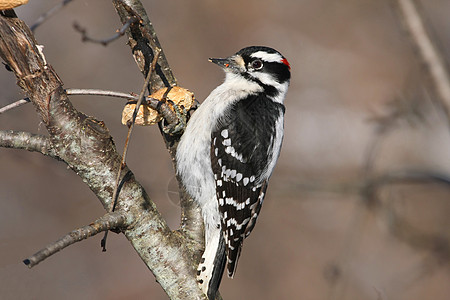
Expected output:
{"points": [[437, 244], [104, 42], [45, 16], [411, 177], [371, 187], [428, 50], [114, 220], [27, 141]]}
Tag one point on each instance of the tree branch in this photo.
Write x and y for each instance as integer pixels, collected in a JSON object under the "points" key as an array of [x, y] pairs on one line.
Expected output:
{"points": [[114, 220], [45, 16], [142, 40], [86, 38], [97, 92], [27, 141], [13, 105], [428, 51], [85, 144]]}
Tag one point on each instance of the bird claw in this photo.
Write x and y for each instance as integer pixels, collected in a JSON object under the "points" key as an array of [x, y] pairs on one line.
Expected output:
{"points": [[180, 126]]}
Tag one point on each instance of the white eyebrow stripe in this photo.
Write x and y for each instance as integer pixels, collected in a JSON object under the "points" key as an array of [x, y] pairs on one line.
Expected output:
{"points": [[269, 57]]}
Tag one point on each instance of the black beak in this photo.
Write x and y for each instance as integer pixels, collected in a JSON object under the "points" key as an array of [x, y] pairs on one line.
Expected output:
{"points": [[225, 63]]}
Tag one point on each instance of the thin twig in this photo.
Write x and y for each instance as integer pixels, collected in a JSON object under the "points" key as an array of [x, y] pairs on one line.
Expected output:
{"points": [[97, 92], [120, 32], [125, 149], [45, 16], [13, 105], [130, 129], [108, 221], [83, 92]]}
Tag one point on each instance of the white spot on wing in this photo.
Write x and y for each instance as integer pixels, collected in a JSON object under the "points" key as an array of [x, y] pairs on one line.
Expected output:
{"points": [[238, 177], [229, 150], [224, 133], [229, 200], [240, 206]]}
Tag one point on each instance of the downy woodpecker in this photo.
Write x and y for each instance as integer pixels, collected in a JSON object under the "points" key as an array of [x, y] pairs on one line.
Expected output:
{"points": [[228, 152]]}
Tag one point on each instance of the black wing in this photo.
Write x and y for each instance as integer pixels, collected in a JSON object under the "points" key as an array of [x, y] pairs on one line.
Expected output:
{"points": [[240, 153]]}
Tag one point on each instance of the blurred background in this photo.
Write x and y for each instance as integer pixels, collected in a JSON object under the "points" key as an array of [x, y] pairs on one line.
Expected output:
{"points": [[359, 107]]}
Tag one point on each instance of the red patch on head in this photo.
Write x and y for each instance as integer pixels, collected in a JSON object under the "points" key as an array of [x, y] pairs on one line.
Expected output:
{"points": [[284, 61]]}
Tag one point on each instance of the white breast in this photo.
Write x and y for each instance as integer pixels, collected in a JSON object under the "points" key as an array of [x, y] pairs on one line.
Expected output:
{"points": [[193, 152]]}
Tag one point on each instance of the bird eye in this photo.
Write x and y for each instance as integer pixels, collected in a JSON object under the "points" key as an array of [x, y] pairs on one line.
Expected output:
{"points": [[257, 64]]}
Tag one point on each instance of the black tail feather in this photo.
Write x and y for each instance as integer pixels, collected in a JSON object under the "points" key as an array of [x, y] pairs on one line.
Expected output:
{"points": [[219, 266]]}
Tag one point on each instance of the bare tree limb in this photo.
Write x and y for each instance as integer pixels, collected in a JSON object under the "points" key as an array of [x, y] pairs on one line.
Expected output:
{"points": [[85, 144], [113, 220], [142, 40], [428, 50], [27, 141]]}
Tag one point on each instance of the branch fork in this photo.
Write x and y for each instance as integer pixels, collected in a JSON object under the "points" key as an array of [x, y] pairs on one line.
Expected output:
{"points": [[86, 146]]}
